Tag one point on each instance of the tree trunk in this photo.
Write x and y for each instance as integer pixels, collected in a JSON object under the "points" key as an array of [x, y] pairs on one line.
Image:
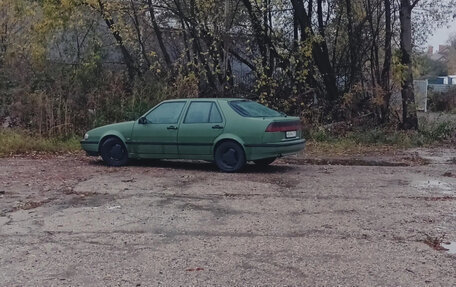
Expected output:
{"points": [[319, 51], [159, 34], [409, 116], [352, 46], [137, 26], [260, 36], [131, 67], [386, 71]]}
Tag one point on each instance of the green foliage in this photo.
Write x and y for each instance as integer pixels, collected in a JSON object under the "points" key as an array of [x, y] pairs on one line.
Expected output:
{"points": [[184, 86], [399, 70], [424, 67], [69, 65], [442, 101], [385, 137], [19, 142], [275, 88], [428, 134], [322, 135], [437, 131]]}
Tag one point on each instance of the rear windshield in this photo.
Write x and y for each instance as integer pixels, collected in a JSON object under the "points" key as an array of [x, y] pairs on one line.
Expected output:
{"points": [[253, 109]]}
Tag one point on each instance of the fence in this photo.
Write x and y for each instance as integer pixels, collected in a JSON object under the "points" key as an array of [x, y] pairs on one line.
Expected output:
{"points": [[421, 94], [439, 88], [441, 95]]}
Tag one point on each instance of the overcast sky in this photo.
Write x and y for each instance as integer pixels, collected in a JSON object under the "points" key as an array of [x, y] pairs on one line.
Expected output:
{"points": [[442, 34]]}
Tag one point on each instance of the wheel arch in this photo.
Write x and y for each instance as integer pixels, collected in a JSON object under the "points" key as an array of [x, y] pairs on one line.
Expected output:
{"points": [[228, 137], [111, 134]]}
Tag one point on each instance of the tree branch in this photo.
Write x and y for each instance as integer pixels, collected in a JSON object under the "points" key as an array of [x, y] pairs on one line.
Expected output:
{"points": [[414, 4]]}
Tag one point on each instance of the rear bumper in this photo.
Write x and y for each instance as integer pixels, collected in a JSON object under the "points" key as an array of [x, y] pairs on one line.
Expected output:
{"points": [[259, 151], [90, 147]]}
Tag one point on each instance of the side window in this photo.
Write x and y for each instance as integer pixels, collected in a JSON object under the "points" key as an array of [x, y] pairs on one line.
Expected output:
{"points": [[203, 112], [166, 113], [215, 116], [198, 112]]}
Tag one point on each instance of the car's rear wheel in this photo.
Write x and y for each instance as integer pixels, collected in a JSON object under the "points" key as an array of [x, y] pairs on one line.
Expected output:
{"points": [[114, 152], [264, 161], [229, 156]]}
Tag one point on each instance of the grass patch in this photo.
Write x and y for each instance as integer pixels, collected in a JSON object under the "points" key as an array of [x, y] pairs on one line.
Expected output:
{"points": [[376, 140], [14, 142], [345, 146]]}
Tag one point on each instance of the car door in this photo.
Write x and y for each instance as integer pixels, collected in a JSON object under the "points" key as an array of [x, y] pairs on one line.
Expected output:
{"points": [[202, 124], [156, 136]]}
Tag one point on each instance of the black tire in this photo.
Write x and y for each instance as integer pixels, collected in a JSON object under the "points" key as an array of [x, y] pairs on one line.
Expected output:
{"points": [[114, 152], [229, 157], [264, 161]]}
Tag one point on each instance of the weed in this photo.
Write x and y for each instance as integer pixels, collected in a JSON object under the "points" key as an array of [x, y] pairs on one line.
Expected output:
{"points": [[19, 142], [440, 132], [321, 135], [377, 137]]}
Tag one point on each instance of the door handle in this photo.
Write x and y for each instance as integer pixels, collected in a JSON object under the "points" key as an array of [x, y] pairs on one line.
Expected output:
{"points": [[217, 127], [172, 128]]}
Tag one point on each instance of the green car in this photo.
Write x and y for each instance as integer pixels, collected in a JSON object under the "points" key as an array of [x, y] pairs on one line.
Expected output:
{"points": [[229, 132]]}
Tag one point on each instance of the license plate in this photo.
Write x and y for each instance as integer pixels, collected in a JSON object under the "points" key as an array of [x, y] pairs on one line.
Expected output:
{"points": [[290, 134]]}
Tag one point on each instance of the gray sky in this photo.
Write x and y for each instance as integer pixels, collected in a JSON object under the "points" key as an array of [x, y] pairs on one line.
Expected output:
{"points": [[442, 34]]}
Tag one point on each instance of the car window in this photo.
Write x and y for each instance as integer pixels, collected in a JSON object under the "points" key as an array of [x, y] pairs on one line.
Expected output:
{"points": [[166, 113], [253, 109], [202, 112], [215, 116]]}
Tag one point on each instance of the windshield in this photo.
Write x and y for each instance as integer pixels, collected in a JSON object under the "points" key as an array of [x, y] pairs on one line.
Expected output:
{"points": [[253, 109]]}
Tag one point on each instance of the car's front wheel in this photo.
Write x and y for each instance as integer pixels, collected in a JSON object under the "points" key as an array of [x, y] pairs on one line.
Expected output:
{"points": [[114, 152], [229, 157], [264, 162]]}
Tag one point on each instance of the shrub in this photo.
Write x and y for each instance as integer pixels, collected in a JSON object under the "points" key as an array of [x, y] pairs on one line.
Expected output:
{"points": [[428, 134], [19, 142]]}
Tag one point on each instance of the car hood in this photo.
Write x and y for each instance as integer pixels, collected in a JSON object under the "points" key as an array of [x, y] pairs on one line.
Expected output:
{"points": [[123, 128]]}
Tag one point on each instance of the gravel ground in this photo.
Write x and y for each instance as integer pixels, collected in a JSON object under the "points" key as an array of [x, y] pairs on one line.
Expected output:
{"points": [[71, 221]]}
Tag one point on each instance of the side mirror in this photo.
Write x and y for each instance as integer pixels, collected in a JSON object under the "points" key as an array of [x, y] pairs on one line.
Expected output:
{"points": [[142, 121]]}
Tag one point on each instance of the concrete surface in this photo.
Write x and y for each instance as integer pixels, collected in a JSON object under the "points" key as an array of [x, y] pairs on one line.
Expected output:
{"points": [[71, 221]]}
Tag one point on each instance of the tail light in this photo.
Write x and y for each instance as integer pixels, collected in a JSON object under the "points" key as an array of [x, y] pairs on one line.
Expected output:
{"points": [[283, 127]]}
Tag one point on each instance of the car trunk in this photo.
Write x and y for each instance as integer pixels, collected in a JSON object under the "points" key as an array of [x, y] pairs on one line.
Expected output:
{"points": [[282, 129]]}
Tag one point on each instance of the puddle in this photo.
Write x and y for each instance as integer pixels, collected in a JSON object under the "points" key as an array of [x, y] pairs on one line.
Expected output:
{"points": [[442, 156], [451, 246], [433, 185], [430, 198], [344, 162]]}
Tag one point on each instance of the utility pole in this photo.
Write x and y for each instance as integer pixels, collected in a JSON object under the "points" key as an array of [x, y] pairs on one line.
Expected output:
{"points": [[226, 43]]}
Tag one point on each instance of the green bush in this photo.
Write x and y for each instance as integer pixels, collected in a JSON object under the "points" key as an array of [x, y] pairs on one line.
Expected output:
{"points": [[19, 142], [321, 135], [428, 134], [440, 132]]}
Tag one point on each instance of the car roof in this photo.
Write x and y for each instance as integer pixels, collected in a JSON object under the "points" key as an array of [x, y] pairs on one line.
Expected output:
{"points": [[206, 99]]}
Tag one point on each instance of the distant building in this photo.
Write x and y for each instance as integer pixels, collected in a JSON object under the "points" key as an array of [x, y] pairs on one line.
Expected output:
{"points": [[442, 55], [447, 80]]}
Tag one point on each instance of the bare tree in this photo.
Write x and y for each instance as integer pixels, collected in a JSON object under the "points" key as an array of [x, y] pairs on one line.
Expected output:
{"points": [[409, 113]]}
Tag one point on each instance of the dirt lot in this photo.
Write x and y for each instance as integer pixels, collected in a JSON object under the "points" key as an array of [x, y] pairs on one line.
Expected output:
{"points": [[71, 221]]}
